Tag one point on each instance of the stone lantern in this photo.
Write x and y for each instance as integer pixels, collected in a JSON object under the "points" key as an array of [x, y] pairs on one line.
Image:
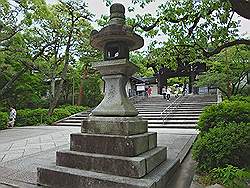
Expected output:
{"points": [[116, 40], [114, 148]]}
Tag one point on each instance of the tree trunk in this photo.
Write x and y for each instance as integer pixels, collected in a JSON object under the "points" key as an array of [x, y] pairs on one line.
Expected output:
{"points": [[81, 91], [64, 72], [58, 93]]}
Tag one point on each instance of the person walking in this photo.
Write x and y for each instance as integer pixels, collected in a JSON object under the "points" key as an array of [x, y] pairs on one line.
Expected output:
{"points": [[12, 117], [164, 92], [176, 92], [168, 93]]}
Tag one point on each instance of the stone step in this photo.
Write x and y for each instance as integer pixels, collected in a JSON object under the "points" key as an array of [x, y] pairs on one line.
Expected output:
{"points": [[136, 167], [154, 108], [172, 115], [163, 107], [128, 146], [187, 112], [181, 131], [177, 109], [154, 121], [177, 126], [165, 103], [198, 104], [172, 118], [57, 176], [67, 124], [70, 120], [169, 121], [150, 107], [169, 109], [79, 117], [173, 112]]}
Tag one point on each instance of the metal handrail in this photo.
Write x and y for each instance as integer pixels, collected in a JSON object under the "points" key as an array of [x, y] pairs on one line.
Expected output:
{"points": [[179, 100]]}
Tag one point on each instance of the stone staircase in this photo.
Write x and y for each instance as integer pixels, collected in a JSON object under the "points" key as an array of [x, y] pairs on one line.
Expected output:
{"points": [[74, 120], [184, 115]]}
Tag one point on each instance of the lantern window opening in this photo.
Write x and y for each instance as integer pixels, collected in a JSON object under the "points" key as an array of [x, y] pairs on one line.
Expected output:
{"points": [[113, 52]]}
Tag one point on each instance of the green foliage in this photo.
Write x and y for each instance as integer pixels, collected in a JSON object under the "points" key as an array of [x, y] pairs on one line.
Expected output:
{"points": [[141, 61], [230, 176], [29, 117], [92, 93], [3, 120], [228, 71], [39, 116], [224, 144], [240, 98], [73, 109], [226, 111]]}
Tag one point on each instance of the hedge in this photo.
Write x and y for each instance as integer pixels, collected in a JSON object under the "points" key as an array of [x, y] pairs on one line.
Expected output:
{"points": [[3, 120], [29, 117], [222, 145], [227, 112]]}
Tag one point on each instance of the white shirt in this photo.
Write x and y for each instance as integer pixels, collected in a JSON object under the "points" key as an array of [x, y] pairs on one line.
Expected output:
{"points": [[168, 91], [13, 114], [164, 90]]}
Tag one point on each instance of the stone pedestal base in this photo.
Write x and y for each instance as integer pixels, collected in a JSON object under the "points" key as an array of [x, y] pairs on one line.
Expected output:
{"points": [[136, 167], [114, 125], [110, 152], [64, 177]]}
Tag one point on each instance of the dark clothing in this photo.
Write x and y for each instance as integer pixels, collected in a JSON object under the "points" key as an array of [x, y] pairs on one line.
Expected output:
{"points": [[168, 96]]}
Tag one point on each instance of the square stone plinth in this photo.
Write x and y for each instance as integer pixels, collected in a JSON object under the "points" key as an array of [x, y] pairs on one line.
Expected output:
{"points": [[114, 125], [136, 167], [128, 146], [64, 177]]}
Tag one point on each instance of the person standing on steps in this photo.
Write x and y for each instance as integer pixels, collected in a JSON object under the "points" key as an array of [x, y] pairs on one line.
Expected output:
{"points": [[149, 91], [164, 92], [168, 93], [12, 117]]}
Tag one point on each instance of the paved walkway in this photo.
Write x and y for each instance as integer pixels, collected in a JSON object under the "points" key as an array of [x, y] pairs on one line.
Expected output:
{"points": [[22, 150]]}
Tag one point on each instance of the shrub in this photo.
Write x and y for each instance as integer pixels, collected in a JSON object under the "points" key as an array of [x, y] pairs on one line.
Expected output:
{"points": [[230, 176], [240, 98], [224, 144], [3, 120], [74, 109], [29, 117], [235, 111]]}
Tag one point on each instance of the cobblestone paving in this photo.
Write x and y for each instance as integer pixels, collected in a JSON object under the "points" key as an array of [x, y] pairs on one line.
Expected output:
{"points": [[15, 149], [22, 150]]}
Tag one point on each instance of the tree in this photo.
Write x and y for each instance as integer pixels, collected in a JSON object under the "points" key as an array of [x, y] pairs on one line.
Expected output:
{"points": [[228, 71], [69, 28], [141, 61], [194, 29], [42, 43], [15, 18]]}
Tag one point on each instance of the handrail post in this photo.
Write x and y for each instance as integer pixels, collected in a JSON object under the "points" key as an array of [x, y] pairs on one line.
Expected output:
{"points": [[168, 107]]}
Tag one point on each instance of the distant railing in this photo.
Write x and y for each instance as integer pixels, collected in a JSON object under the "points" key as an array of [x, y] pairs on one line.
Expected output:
{"points": [[170, 108]]}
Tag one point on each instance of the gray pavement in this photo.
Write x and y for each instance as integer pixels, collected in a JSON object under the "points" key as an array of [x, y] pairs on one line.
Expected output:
{"points": [[22, 150]]}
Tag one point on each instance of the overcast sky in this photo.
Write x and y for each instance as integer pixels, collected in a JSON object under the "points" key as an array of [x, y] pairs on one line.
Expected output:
{"points": [[99, 8]]}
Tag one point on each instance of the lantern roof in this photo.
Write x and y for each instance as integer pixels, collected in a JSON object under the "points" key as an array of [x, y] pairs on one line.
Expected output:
{"points": [[116, 31]]}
